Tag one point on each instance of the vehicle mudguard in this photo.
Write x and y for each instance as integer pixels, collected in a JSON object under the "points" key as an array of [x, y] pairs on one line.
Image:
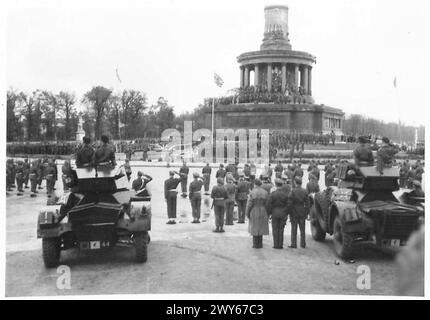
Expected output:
{"points": [[48, 225]]}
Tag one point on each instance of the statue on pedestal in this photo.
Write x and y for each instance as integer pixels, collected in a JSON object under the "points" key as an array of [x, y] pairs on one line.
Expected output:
{"points": [[80, 133]]}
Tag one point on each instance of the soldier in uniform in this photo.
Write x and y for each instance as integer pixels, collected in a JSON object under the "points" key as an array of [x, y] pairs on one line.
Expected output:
{"points": [[329, 176], [183, 171], [363, 153], [195, 188], [33, 176], [315, 172], [206, 171], [230, 188], [312, 186], [9, 175], [40, 173], [417, 190], [277, 208], [66, 171], [298, 172], [242, 192], [257, 214], [411, 176], [139, 184], [85, 154], [299, 201], [278, 170], [385, 155], [402, 175], [219, 195], [266, 183], [20, 177], [221, 172], [170, 194], [50, 178], [127, 169], [105, 152], [26, 166]]}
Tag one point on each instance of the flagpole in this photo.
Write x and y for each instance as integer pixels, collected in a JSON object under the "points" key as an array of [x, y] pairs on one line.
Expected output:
{"points": [[213, 116]]}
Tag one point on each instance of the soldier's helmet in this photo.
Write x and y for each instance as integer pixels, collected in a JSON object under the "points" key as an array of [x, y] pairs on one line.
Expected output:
{"points": [[220, 181], [195, 174]]}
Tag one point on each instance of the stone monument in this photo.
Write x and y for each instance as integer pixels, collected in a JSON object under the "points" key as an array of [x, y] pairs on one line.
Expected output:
{"points": [[280, 95], [80, 133]]}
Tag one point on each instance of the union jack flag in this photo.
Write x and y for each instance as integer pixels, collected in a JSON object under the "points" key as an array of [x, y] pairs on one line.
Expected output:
{"points": [[218, 80]]}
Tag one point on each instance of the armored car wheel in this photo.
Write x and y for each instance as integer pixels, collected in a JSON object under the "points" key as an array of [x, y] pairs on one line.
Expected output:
{"points": [[318, 234], [51, 250], [343, 242], [141, 246]]}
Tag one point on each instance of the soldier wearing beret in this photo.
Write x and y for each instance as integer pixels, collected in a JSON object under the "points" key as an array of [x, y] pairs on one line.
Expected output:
{"points": [[105, 153], [242, 192], [195, 188], [184, 171], [363, 153], [170, 194], [139, 184], [277, 208], [299, 201], [206, 171], [221, 172], [219, 195], [230, 188], [85, 154]]}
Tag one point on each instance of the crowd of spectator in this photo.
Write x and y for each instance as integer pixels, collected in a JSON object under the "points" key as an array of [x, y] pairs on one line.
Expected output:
{"points": [[261, 94]]}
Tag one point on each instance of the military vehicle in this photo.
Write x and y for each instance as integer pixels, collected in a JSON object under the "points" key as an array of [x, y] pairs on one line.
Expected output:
{"points": [[99, 213], [362, 208]]}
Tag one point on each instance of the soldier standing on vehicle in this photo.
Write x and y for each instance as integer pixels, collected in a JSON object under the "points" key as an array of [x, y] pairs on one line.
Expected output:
{"points": [[170, 194], [183, 171], [85, 154], [105, 153], [196, 196], [206, 171], [242, 192], [363, 152], [230, 188], [139, 184], [277, 208], [385, 155], [257, 214], [219, 195], [299, 201]]}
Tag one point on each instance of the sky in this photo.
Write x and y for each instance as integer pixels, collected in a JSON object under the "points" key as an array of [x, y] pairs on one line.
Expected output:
{"points": [[172, 48]]}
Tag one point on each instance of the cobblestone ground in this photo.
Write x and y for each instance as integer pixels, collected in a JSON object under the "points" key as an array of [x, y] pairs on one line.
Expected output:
{"points": [[186, 258]]}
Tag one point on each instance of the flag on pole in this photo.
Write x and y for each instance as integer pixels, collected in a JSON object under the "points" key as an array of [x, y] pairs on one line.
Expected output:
{"points": [[218, 80], [395, 82], [117, 75]]}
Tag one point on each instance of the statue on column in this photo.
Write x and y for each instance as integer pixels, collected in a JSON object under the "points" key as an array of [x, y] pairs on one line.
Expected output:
{"points": [[80, 133]]}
